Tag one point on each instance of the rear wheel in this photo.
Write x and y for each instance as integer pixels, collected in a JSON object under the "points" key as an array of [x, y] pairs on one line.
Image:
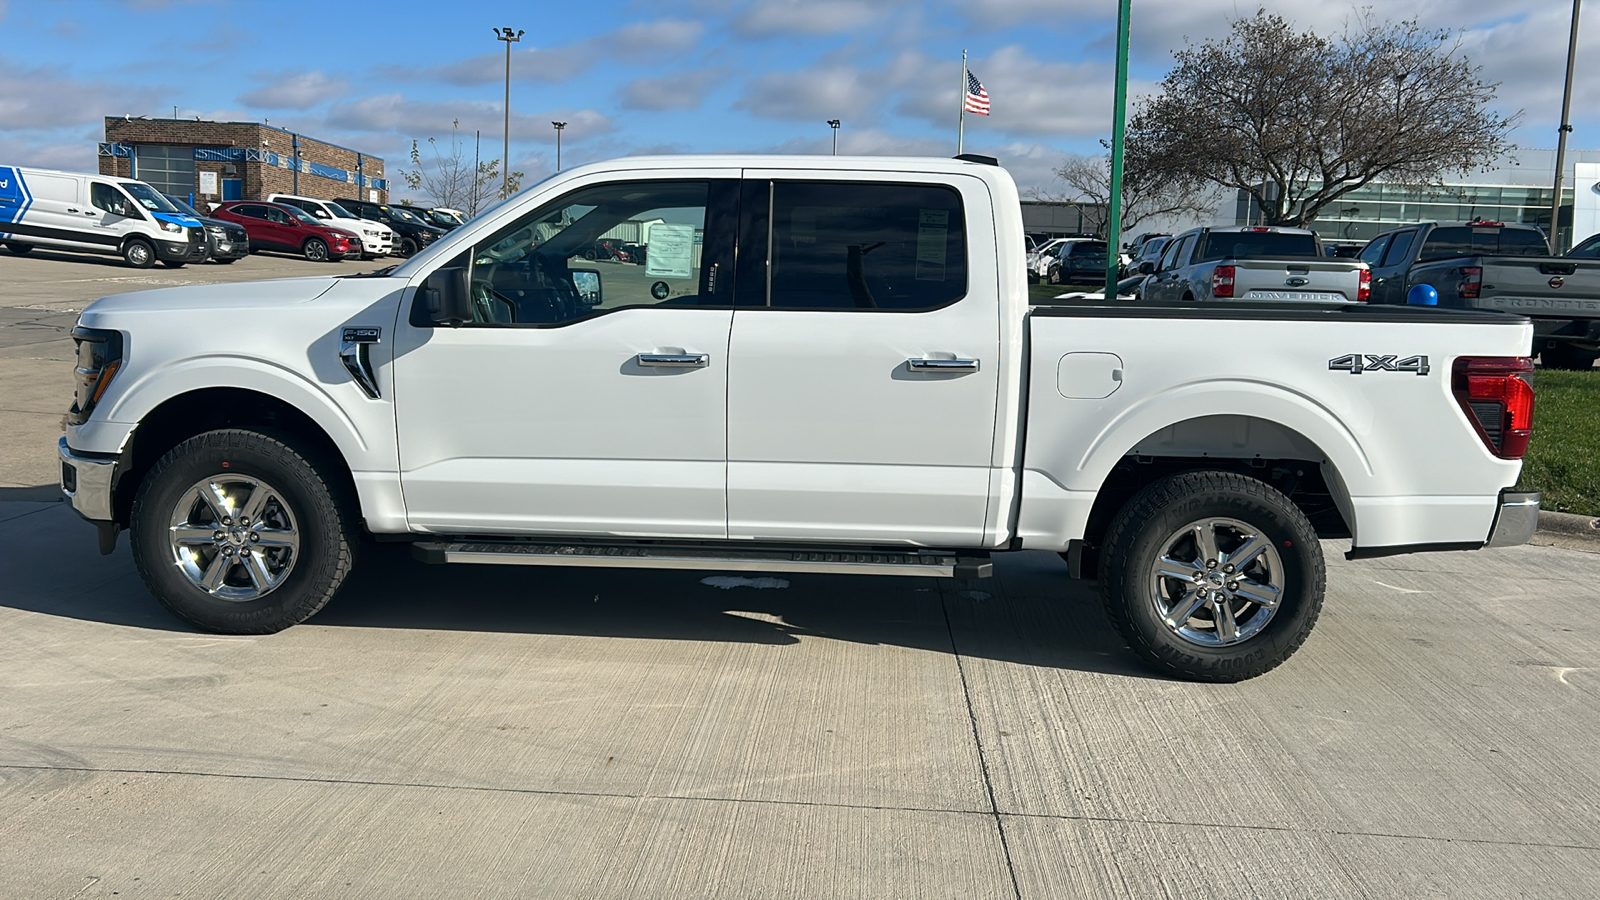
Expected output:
{"points": [[1566, 356], [173, 263], [235, 532], [315, 250], [18, 248], [1212, 576], [139, 254]]}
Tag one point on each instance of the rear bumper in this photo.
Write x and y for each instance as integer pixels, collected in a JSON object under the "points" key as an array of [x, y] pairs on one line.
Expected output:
{"points": [[1517, 519]]}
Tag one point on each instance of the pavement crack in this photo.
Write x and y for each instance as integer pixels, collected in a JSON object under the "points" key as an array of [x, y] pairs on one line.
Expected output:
{"points": [[977, 739]]}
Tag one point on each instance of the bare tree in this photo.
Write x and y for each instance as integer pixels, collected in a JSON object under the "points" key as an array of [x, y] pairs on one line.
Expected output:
{"points": [[452, 180], [1296, 120], [1087, 181]]}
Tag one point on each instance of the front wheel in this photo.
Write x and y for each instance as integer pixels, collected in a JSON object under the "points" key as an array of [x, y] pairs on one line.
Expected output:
{"points": [[315, 250], [18, 248], [173, 263], [139, 254], [237, 533], [1212, 576], [408, 247]]}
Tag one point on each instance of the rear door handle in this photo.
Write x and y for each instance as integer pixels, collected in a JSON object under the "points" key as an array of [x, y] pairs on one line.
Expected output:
{"points": [[675, 360], [942, 365]]}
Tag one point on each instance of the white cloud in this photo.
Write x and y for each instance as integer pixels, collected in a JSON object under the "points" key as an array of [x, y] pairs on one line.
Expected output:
{"points": [[674, 90], [44, 97], [282, 90], [419, 119], [768, 18], [822, 92]]}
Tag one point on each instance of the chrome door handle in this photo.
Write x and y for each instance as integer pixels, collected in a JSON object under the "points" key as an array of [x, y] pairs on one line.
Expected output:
{"points": [[942, 365], [675, 360]]}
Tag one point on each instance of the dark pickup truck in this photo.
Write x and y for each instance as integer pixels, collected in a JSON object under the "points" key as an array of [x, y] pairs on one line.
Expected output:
{"points": [[1495, 266]]}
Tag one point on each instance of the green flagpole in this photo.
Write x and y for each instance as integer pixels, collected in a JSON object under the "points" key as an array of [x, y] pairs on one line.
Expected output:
{"points": [[1118, 123]]}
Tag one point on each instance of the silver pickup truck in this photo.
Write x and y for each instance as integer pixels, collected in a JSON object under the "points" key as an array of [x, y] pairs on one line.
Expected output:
{"points": [[1253, 262]]}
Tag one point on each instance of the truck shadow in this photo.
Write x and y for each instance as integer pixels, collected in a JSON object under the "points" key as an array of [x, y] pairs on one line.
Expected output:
{"points": [[1029, 613]]}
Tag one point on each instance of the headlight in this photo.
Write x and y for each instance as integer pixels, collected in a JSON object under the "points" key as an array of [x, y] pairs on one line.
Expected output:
{"points": [[173, 227], [217, 230], [99, 358]]}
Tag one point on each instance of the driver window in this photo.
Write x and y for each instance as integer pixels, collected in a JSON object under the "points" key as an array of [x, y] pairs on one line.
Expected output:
{"points": [[277, 215], [597, 250], [107, 198], [1171, 256]]}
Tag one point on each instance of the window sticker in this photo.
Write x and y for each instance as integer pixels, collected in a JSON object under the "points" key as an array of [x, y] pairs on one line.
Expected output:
{"points": [[933, 232], [670, 251]]}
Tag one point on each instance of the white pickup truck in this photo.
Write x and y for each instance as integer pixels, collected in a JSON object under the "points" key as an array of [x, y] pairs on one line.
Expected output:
{"points": [[822, 364]]}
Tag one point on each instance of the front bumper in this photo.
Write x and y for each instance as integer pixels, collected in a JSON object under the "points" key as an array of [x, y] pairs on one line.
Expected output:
{"points": [[182, 251], [229, 247], [1517, 519], [86, 482]]}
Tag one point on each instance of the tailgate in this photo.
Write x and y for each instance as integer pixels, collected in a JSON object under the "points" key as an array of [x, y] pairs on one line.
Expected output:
{"points": [[1541, 286], [1297, 279]]}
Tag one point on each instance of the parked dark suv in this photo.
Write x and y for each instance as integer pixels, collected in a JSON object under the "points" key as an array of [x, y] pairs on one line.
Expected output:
{"points": [[411, 233], [227, 241]]}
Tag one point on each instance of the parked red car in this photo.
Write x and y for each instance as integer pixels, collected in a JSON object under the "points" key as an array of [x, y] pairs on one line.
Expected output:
{"points": [[276, 226]]}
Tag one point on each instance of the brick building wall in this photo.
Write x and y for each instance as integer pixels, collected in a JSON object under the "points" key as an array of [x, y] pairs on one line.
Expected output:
{"points": [[262, 157]]}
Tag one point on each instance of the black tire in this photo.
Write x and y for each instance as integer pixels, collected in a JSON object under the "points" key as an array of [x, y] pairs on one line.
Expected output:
{"points": [[19, 249], [1568, 358], [408, 247], [226, 262], [315, 249], [1055, 275], [326, 531], [173, 263], [138, 253], [1141, 534]]}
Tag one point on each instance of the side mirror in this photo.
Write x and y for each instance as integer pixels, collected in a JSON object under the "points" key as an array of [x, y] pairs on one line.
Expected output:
{"points": [[1146, 267], [587, 283], [447, 296]]}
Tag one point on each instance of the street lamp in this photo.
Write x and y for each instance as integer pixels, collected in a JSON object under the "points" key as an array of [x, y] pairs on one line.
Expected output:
{"points": [[506, 34], [559, 126], [834, 124]]}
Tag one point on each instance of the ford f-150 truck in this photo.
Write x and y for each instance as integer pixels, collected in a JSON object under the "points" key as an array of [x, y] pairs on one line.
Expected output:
{"points": [[825, 364], [1254, 263], [1492, 265]]}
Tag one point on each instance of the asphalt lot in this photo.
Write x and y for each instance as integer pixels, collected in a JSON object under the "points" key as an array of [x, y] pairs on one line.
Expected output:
{"points": [[487, 732]]}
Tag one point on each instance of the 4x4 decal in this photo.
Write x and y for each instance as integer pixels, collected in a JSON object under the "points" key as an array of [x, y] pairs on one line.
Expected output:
{"points": [[1356, 363]]}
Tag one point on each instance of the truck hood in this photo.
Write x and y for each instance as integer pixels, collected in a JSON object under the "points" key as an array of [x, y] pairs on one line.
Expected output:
{"points": [[241, 295]]}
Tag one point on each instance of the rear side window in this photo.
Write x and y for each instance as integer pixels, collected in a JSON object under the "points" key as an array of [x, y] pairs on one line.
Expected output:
{"points": [[1373, 251], [1399, 248], [1248, 244], [1088, 248], [866, 246], [1489, 240]]}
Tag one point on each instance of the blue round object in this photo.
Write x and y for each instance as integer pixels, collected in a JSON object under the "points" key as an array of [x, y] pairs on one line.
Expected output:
{"points": [[1422, 295]]}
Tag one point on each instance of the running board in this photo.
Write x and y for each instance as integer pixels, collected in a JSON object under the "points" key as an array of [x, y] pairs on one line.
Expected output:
{"points": [[838, 562]]}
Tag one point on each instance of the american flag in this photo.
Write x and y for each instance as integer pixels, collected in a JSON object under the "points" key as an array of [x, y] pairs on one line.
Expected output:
{"points": [[977, 99]]}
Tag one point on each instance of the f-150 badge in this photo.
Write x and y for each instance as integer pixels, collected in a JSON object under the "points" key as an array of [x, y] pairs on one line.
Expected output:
{"points": [[1356, 363]]}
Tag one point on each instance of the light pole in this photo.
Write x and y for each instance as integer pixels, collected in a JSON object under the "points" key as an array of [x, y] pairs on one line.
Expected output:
{"points": [[559, 126], [1561, 142], [834, 124], [506, 34]]}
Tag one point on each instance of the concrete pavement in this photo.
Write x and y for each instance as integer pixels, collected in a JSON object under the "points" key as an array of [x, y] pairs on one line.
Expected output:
{"points": [[505, 732]]}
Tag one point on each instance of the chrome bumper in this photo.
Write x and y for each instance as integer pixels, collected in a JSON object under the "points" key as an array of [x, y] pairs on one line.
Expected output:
{"points": [[86, 482], [1517, 519]]}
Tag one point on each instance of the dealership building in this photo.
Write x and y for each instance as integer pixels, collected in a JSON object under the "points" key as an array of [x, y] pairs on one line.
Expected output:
{"points": [[217, 161]]}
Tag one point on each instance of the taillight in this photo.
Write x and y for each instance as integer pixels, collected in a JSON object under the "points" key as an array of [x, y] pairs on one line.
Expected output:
{"points": [[1222, 281], [1497, 397], [1471, 282], [1364, 289]]}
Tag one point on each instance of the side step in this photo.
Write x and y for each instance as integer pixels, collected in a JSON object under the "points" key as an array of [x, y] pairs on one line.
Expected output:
{"points": [[943, 563]]}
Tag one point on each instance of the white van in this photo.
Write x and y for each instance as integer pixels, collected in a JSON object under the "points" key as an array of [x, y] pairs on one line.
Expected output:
{"points": [[96, 214], [377, 239]]}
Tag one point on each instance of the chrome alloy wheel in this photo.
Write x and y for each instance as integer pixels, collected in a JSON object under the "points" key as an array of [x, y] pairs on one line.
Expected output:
{"points": [[234, 537], [1217, 581]]}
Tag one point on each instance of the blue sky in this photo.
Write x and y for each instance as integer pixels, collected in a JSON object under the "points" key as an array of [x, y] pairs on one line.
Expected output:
{"points": [[674, 75]]}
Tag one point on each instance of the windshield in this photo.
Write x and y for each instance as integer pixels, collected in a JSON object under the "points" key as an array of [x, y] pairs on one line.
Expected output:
{"points": [[338, 211], [149, 197], [301, 214], [183, 207], [1249, 244], [404, 215]]}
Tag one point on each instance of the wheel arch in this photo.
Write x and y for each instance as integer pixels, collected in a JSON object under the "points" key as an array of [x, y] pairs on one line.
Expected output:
{"points": [[207, 409]]}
